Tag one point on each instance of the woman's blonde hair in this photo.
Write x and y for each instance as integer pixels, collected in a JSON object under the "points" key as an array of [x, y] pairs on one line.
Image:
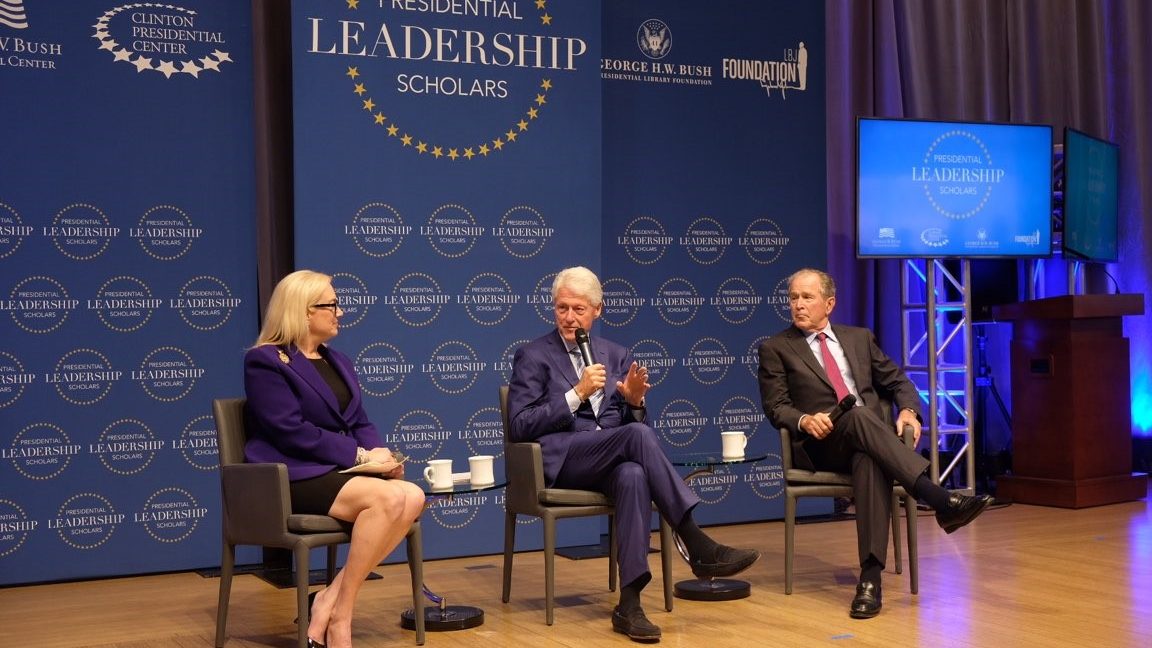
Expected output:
{"points": [[285, 321]]}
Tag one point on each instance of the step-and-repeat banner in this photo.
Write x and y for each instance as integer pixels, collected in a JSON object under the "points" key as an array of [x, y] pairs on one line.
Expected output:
{"points": [[452, 156], [126, 279]]}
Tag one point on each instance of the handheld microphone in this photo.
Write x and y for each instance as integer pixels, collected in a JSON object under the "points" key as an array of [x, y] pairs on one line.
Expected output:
{"points": [[584, 346], [845, 404]]}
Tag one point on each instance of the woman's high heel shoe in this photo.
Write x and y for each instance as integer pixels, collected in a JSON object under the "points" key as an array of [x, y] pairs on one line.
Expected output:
{"points": [[312, 643]]}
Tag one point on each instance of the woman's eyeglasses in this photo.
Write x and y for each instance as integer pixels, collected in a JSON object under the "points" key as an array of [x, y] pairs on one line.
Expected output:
{"points": [[332, 306]]}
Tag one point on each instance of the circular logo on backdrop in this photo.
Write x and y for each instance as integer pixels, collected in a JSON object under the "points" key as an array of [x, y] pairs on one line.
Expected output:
{"points": [[197, 443], [452, 231], [165, 232], [705, 240], [484, 432], [354, 298], [14, 527], [504, 364], [468, 110], [170, 515], [83, 376], [167, 374], [541, 299], [621, 303], [708, 361], [166, 39], [654, 38], [644, 240], [677, 302], [205, 303], [740, 414], [124, 304], [86, 520], [763, 241], [40, 304], [457, 511], [421, 436], [417, 299], [736, 300], [777, 300], [653, 355], [12, 231], [81, 232], [41, 451], [377, 229], [488, 299], [522, 232], [126, 447], [752, 356], [958, 174], [680, 422], [380, 368], [13, 379], [767, 477], [454, 367], [713, 487]]}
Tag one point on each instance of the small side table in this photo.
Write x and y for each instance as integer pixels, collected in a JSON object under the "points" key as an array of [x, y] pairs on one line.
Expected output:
{"points": [[440, 616], [709, 589]]}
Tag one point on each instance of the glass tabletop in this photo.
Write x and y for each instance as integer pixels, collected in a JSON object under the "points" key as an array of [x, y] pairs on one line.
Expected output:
{"points": [[713, 458], [461, 487]]}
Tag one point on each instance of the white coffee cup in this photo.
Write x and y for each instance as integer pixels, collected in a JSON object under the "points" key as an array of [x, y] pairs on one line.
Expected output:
{"points": [[734, 443], [439, 473], [481, 469]]}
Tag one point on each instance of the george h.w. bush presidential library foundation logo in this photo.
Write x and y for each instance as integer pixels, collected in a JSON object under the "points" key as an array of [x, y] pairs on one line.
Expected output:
{"points": [[456, 81]]}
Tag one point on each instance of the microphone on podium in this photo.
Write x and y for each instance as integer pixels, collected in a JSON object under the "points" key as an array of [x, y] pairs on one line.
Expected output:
{"points": [[845, 404], [586, 348]]}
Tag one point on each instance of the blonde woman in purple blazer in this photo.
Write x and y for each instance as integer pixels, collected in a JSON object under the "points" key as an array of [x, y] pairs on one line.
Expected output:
{"points": [[305, 410]]}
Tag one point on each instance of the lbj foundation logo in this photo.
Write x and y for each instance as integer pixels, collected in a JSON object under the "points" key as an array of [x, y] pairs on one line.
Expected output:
{"points": [[790, 72], [457, 81]]}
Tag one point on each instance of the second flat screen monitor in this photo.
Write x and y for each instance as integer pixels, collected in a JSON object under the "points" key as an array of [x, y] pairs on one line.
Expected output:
{"points": [[953, 189]]}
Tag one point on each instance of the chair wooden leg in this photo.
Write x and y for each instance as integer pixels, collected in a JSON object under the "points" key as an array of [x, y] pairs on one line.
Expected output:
{"points": [[667, 545], [910, 516], [509, 547], [416, 567], [549, 566], [613, 554], [789, 539], [896, 533], [303, 613], [330, 565], [227, 564]]}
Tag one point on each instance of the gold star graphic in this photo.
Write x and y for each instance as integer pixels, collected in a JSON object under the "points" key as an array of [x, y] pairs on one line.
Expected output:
{"points": [[392, 130], [379, 119], [437, 152], [469, 154], [546, 84], [511, 135], [532, 113], [369, 104], [541, 100], [422, 147], [498, 143], [406, 139], [540, 4], [353, 4], [522, 124], [360, 89], [546, 19], [484, 150], [353, 72], [453, 154]]}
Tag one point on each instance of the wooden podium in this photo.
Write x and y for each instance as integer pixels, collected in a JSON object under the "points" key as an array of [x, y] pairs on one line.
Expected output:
{"points": [[1071, 402]]}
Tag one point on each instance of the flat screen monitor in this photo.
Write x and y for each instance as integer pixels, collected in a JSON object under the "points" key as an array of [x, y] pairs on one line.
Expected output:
{"points": [[927, 189], [1091, 171]]}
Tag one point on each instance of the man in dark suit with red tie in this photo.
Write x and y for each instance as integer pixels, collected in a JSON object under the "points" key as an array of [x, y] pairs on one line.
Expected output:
{"points": [[805, 371], [591, 424]]}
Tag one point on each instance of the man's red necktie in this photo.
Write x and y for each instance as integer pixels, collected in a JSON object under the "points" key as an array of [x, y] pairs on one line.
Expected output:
{"points": [[831, 368]]}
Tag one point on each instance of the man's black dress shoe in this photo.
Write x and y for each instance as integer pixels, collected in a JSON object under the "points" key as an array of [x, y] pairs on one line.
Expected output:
{"points": [[961, 510], [728, 561], [634, 624], [866, 604]]}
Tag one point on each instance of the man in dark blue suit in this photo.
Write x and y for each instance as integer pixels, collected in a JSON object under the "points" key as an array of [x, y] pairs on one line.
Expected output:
{"points": [[591, 425]]}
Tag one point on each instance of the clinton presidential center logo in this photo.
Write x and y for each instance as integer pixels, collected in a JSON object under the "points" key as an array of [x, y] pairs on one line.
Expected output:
{"points": [[458, 81], [164, 38]]}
